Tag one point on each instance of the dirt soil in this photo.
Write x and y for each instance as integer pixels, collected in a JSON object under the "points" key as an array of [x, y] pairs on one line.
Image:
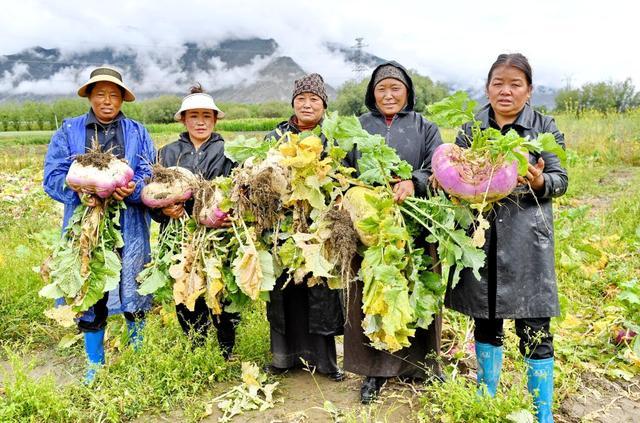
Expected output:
{"points": [[600, 399], [616, 181], [603, 400]]}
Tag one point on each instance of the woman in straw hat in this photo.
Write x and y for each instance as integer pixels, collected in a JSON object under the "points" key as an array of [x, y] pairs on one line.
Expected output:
{"points": [[201, 150], [128, 140]]}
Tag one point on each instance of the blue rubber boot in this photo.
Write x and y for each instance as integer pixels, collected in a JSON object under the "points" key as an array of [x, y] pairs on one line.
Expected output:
{"points": [[489, 359], [94, 347], [540, 384], [134, 330]]}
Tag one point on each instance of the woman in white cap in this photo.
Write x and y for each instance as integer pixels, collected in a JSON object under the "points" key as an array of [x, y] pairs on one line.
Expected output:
{"points": [[201, 150], [126, 139]]}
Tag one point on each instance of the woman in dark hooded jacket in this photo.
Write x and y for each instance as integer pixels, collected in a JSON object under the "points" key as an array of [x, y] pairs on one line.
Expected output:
{"points": [[390, 99]]}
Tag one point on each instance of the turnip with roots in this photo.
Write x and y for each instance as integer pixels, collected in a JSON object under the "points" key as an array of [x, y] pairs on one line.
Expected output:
{"points": [[488, 170], [168, 186], [99, 173]]}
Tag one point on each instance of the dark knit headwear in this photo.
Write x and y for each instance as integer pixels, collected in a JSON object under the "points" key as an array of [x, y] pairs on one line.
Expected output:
{"points": [[389, 71], [312, 83]]}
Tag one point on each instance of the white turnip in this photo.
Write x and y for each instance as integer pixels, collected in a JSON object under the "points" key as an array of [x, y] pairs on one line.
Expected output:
{"points": [[168, 186], [98, 173]]}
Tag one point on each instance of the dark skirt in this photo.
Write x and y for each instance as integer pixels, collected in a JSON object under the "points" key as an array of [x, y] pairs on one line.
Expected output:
{"points": [[416, 361], [318, 351]]}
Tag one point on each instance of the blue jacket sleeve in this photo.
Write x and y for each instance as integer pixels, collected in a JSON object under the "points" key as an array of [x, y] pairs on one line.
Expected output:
{"points": [[146, 158], [56, 166]]}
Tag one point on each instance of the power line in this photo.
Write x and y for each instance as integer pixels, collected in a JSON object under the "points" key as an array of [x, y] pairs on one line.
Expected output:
{"points": [[359, 68]]}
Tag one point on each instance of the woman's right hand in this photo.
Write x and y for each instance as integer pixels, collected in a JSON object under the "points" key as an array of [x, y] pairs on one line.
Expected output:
{"points": [[435, 185], [174, 211]]}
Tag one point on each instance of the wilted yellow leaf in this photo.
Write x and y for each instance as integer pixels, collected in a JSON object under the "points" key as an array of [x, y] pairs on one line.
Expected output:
{"points": [[571, 322], [64, 315], [254, 271]]}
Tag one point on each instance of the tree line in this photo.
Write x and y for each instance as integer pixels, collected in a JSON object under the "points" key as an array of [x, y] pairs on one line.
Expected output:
{"points": [[604, 97]]}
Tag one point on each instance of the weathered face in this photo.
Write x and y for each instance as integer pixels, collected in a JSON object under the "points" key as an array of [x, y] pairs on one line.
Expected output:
{"points": [[391, 96], [199, 123], [508, 91], [106, 100], [308, 108]]}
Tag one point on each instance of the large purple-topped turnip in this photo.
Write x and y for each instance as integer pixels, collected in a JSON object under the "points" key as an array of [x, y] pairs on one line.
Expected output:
{"points": [[168, 186], [473, 178], [488, 169], [98, 173]]}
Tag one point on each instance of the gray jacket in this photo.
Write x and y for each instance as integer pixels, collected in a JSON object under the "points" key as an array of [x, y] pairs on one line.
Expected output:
{"points": [[519, 243]]}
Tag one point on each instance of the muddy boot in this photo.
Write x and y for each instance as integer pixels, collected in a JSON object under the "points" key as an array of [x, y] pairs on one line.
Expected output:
{"points": [[94, 347], [489, 359], [134, 330], [371, 388], [540, 385]]}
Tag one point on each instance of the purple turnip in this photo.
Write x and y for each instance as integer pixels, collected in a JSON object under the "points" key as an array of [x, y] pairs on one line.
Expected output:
{"points": [[212, 206], [472, 178], [622, 336]]}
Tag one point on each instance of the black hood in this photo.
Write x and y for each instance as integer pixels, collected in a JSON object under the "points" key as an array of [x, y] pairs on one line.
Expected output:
{"points": [[369, 98]]}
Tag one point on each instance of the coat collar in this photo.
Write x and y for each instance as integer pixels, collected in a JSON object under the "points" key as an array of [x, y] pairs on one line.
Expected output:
{"points": [[184, 137], [524, 119], [93, 120]]}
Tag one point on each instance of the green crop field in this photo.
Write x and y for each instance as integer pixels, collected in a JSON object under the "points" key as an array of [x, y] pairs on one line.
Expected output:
{"points": [[597, 235]]}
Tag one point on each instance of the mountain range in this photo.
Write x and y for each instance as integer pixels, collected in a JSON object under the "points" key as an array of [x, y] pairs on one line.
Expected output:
{"points": [[250, 70]]}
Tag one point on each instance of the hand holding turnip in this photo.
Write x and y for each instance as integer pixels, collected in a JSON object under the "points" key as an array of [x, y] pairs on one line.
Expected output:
{"points": [[402, 190], [534, 176], [174, 211], [435, 185], [120, 193]]}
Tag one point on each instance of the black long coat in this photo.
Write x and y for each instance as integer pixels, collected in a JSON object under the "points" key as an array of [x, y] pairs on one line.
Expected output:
{"points": [[414, 138], [326, 316], [520, 250]]}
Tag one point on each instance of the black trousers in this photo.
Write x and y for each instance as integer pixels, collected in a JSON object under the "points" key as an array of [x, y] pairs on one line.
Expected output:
{"points": [[536, 341], [102, 312], [199, 321]]}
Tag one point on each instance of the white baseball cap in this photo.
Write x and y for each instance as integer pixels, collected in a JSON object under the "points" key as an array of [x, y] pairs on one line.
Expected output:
{"points": [[198, 101]]}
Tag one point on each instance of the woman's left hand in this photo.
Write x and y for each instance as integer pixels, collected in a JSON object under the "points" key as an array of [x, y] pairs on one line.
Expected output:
{"points": [[534, 176], [402, 190], [123, 192]]}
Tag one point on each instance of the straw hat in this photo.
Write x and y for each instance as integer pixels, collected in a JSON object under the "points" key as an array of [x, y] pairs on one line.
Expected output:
{"points": [[198, 101], [106, 73]]}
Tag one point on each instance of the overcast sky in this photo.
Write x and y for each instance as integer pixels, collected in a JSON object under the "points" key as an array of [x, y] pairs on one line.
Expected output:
{"points": [[565, 41]]}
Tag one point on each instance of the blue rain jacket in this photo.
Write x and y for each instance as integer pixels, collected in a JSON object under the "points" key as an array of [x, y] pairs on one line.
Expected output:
{"points": [[68, 142]]}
